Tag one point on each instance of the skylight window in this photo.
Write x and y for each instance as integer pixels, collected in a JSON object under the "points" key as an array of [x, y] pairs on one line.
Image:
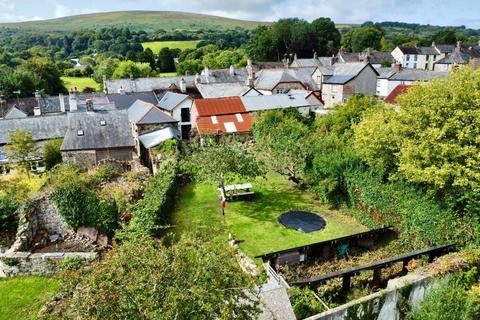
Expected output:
{"points": [[230, 127], [239, 117], [80, 133], [214, 120], [103, 123]]}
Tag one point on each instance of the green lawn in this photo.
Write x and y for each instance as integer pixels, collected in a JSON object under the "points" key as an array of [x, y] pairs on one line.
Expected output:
{"points": [[255, 222], [23, 297], [156, 46], [80, 83]]}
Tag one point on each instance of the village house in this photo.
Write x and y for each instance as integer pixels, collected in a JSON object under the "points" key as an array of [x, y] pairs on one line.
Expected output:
{"points": [[220, 116], [390, 78], [95, 136], [349, 79], [375, 58], [461, 55], [145, 117], [178, 106]]}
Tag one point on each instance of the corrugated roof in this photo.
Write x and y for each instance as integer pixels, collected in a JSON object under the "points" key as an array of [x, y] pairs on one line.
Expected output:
{"points": [[115, 133], [153, 139], [142, 112], [169, 100], [219, 106], [228, 123], [399, 90]]}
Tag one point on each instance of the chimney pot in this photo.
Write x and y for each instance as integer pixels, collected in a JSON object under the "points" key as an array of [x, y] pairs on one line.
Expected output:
{"points": [[397, 67], [183, 86]]}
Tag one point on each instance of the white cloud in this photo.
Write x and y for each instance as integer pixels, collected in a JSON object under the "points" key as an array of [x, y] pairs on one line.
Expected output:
{"points": [[61, 11]]}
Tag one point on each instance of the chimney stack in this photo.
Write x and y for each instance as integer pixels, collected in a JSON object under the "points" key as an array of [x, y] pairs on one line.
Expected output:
{"points": [[397, 67], [183, 86], [232, 71], [89, 103], [72, 99], [36, 110], [434, 44], [197, 78], [315, 55], [459, 44]]}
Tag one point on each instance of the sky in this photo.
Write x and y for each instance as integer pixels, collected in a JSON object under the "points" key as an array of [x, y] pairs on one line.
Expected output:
{"points": [[435, 12]]}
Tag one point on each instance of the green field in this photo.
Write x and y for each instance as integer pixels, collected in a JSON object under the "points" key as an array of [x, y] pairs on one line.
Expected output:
{"points": [[23, 297], [136, 20], [156, 46], [80, 83], [255, 222]]}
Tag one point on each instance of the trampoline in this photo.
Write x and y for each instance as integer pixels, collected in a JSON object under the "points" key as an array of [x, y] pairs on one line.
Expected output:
{"points": [[302, 221]]}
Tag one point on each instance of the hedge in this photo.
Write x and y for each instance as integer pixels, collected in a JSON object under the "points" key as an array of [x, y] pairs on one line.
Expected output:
{"points": [[154, 209], [422, 219]]}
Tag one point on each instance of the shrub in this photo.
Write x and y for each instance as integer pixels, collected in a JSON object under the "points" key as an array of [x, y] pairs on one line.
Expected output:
{"points": [[423, 220], [304, 303], [82, 208], [450, 300], [52, 154], [8, 218], [153, 210], [143, 279]]}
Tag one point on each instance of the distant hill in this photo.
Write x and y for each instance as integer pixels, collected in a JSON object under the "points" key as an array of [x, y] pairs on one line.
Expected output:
{"points": [[135, 20]]}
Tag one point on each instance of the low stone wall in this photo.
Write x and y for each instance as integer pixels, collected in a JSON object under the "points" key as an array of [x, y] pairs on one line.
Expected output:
{"points": [[26, 263], [391, 303]]}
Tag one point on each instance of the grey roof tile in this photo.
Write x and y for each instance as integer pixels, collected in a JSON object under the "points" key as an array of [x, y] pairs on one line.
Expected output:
{"points": [[42, 127], [169, 100], [142, 112], [116, 132]]}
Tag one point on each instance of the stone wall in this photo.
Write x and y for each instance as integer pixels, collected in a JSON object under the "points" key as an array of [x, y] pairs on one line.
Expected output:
{"points": [[26, 263], [388, 304]]}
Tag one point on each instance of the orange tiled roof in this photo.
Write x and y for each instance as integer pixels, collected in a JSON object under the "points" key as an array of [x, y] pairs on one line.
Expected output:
{"points": [[399, 90], [221, 124]]}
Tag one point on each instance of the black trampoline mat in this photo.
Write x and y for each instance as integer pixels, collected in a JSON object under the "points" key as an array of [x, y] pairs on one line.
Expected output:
{"points": [[302, 221]]}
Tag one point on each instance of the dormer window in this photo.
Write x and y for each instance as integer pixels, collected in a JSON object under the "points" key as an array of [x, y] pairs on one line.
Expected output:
{"points": [[80, 133], [239, 117], [103, 123]]}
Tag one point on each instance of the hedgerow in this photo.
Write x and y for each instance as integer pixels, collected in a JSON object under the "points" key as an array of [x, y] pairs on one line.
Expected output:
{"points": [[153, 210]]}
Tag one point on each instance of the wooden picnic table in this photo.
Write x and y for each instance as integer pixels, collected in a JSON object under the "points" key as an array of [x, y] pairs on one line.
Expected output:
{"points": [[237, 191]]}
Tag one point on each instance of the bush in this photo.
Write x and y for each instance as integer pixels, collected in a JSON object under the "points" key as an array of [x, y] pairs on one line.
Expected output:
{"points": [[8, 218], [153, 210], [450, 300], [144, 279], [304, 303], [52, 154], [82, 208], [423, 220]]}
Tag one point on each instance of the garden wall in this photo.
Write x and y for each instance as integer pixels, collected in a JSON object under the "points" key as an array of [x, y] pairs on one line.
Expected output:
{"points": [[392, 303], [26, 263]]}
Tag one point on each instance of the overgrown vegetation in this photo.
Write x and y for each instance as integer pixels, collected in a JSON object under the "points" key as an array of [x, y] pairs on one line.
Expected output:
{"points": [[8, 218]]}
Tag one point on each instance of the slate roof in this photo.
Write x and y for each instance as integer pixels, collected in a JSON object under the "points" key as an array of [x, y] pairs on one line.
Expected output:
{"points": [[142, 112], [445, 48], [168, 100], [42, 127], [153, 139], [385, 73], [455, 57], [345, 72], [219, 106], [219, 90], [223, 75], [378, 57], [115, 133], [269, 79], [409, 49], [124, 101], [399, 90], [15, 112], [349, 56], [227, 123], [276, 101], [417, 75]]}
